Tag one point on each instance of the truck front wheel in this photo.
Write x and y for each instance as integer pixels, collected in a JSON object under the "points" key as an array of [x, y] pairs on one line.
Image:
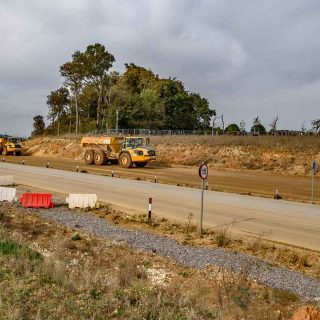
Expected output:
{"points": [[99, 158], [125, 160], [89, 156]]}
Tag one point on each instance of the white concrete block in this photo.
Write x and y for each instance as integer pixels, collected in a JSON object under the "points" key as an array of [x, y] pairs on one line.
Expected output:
{"points": [[8, 194], [6, 180], [82, 200]]}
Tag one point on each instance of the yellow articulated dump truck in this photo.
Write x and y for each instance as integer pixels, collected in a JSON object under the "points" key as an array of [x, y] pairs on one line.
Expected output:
{"points": [[127, 151], [10, 145]]}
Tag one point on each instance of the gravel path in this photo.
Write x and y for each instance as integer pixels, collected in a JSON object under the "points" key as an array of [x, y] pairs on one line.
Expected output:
{"points": [[263, 272]]}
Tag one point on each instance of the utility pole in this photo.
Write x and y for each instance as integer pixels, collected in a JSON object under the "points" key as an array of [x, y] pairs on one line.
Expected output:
{"points": [[117, 121]]}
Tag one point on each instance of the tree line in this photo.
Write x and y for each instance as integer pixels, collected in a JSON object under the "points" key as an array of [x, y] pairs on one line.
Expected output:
{"points": [[92, 94]]}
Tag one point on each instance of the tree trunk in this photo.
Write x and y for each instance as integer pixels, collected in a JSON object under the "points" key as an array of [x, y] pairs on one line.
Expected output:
{"points": [[99, 103], [77, 111], [58, 126], [70, 116]]}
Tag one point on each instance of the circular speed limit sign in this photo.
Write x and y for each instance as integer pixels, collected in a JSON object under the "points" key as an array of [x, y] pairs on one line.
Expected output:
{"points": [[203, 171]]}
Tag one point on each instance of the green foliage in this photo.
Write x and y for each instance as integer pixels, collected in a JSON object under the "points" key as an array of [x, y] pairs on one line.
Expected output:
{"points": [[10, 248], [258, 129], [232, 128], [38, 125], [92, 94], [58, 102]]}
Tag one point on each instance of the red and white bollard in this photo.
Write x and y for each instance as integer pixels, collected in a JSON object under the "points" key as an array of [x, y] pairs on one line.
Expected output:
{"points": [[150, 209]]}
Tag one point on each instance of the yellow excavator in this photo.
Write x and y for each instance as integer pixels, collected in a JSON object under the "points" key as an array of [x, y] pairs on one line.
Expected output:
{"points": [[10, 145], [127, 151]]}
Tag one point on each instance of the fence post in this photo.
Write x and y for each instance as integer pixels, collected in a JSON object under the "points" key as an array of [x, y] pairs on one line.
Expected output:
{"points": [[150, 209]]}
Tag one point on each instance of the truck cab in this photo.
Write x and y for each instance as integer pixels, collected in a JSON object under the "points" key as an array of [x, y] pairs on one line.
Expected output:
{"points": [[135, 151], [10, 146]]}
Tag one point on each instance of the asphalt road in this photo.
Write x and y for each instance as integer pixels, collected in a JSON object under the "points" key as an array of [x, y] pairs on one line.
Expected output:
{"points": [[288, 222]]}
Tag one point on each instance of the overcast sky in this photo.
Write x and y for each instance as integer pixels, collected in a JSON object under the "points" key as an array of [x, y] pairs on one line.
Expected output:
{"points": [[248, 58]]}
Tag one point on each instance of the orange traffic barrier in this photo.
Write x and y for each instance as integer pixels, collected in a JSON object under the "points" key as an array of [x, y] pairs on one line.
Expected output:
{"points": [[36, 200]]}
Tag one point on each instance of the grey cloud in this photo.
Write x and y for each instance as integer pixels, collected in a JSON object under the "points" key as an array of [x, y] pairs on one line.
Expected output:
{"points": [[247, 57]]}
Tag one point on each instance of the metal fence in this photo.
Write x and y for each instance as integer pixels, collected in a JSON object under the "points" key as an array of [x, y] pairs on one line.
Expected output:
{"points": [[149, 132]]}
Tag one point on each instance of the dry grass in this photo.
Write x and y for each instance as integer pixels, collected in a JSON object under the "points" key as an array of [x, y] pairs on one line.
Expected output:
{"points": [[96, 279], [285, 142]]}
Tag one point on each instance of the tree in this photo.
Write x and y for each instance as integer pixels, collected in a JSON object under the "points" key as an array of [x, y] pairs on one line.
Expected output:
{"points": [[232, 128], [57, 102], [97, 61], [316, 126], [142, 99], [242, 126], [257, 127], [273, 125], [38, 125], [74, 73], [202, 110]]}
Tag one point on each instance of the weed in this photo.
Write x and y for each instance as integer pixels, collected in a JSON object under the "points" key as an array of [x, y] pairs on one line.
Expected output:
{"points": [[96, 294], [298, 259], [222, 237], [184, 274], [189, 227], [76, 237]]}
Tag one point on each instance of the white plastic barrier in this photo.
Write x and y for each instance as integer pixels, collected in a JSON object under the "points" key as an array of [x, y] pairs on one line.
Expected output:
{"points": [[82, 200], [8, 194], [6, 180]]}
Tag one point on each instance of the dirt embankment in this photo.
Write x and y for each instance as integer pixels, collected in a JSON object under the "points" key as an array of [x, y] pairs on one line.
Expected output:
{"points": [[53, 148], [291, 159]]}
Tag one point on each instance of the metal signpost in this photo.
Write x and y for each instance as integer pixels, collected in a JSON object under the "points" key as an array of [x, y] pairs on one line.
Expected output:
{"points": [[314, 170], [203, 174]]}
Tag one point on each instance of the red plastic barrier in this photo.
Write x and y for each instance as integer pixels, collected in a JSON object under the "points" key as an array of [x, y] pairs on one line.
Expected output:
{"points": [[36, 200]]}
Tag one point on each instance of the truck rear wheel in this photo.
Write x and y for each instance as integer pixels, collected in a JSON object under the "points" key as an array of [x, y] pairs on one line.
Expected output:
{"points": [[99, 158], [125, 160], [89, 156], [141, 164]]}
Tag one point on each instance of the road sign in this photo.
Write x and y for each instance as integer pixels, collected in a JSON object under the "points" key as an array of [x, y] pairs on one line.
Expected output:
{"points": [[203, 171], [203, 174]]}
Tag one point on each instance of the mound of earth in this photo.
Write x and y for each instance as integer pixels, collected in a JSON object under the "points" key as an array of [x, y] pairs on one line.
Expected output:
{"points": [[238, 157], [53, 148]]}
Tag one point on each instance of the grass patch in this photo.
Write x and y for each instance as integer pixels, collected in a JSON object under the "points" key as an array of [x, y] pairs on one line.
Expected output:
{"points": [[10, 248]]}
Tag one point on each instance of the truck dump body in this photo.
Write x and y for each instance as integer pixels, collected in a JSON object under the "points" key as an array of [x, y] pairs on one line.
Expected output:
{"points": [[126, 150]]}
